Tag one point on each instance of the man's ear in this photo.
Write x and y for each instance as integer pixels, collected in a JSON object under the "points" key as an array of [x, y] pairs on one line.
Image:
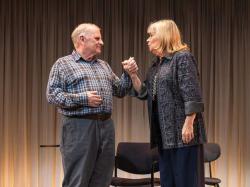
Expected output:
{"points": [[82, 38]]}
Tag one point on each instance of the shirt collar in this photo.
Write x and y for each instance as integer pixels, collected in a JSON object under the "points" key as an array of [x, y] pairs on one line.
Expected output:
{"points": [[77, 57]]}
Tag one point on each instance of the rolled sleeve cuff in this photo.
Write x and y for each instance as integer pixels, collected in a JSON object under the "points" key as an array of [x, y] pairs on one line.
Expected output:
{"points": [[128, 80], [193, 107], [142, 94]]}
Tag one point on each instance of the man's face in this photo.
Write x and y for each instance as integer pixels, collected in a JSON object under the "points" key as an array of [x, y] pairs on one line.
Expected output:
{"points": [[93, 42]]}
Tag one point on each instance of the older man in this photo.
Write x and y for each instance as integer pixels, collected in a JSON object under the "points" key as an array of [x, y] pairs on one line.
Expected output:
{"points": [[81, 86]]}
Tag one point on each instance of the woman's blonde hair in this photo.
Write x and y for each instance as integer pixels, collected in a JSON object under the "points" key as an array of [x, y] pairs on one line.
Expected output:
{"points": [[169, 35]]}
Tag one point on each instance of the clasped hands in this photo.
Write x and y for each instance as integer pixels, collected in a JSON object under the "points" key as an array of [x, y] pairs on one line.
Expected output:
{"points": [[130, 66]]}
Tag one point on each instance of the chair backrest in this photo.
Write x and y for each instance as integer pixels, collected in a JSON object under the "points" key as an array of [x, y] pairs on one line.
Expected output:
{"points": [[136, 158], [211, 152]]}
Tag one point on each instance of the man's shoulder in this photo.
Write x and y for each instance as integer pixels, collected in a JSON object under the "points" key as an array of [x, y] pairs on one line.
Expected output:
{"points": [[63, 63], [65, 59], [102, 61]]}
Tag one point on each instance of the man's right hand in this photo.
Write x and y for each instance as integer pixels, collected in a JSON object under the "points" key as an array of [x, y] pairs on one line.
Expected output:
{"points": [[94, 100]]}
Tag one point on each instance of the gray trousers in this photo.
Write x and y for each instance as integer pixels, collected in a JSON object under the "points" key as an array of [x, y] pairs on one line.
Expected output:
{"points": [[88, 152]]}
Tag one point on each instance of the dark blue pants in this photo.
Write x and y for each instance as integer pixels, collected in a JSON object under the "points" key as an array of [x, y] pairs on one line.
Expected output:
{"points": [[88, 152], [182, 167]]}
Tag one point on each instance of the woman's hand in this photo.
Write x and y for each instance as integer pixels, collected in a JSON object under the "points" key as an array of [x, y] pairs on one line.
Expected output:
{"points": [[188, 130]]}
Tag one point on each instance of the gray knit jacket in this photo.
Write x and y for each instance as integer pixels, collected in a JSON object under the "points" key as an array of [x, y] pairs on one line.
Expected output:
{"points": [[178, 95]]}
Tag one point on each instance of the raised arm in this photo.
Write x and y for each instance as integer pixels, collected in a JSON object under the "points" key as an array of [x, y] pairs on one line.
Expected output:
{"points": [[139, 89]]}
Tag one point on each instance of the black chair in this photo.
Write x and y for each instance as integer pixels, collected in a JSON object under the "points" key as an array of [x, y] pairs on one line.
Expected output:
{"points": [[136, 158], [211, 153]]}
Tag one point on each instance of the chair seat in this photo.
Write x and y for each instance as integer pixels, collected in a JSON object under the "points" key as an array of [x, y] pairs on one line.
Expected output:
{"points": [[212, 181], [118, 181]]}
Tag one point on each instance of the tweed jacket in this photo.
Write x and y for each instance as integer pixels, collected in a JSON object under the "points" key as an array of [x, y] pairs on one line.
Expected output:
{"points": [[178, 95]]}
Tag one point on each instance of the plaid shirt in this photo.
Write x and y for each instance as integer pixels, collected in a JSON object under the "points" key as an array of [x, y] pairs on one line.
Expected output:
{"points": [[71, 77]]}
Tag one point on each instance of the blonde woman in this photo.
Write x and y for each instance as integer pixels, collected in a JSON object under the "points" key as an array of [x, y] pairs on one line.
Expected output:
{"points": [[175, 106]]}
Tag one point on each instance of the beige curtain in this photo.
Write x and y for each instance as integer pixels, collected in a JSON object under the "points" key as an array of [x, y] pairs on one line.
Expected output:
{"points": [[33, 34]]}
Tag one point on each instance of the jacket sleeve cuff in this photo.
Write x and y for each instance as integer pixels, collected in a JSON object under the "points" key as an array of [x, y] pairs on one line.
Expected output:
{"points": [[142, 94], [193, 107]]}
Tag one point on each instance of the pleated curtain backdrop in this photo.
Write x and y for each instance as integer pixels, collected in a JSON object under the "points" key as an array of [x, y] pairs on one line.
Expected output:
{"points": [[33, 34]]}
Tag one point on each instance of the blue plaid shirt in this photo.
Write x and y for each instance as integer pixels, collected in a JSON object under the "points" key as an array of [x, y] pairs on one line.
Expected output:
{"points": [[71, 77]]}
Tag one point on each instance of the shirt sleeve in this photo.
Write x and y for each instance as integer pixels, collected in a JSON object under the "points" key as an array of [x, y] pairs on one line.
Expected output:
{"points": [[120, 86], [187, 75], [56, 93]]}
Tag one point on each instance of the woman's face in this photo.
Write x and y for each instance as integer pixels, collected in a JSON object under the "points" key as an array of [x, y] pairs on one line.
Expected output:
{"points": [[153, 42]]}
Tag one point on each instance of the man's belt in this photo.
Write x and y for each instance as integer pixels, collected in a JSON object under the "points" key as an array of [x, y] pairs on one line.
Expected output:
{"points": [[101, 117]]}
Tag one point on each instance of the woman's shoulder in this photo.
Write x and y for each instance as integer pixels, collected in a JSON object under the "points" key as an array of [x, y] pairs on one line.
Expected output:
{"points": [[182, 53], [184, 57]]}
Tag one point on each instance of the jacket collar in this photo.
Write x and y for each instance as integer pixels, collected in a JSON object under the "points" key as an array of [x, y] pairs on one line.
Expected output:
{"points": [[165, 59]]}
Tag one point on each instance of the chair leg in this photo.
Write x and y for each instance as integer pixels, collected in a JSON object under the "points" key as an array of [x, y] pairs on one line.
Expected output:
{"points": [[152, 179], [152, 175]]}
